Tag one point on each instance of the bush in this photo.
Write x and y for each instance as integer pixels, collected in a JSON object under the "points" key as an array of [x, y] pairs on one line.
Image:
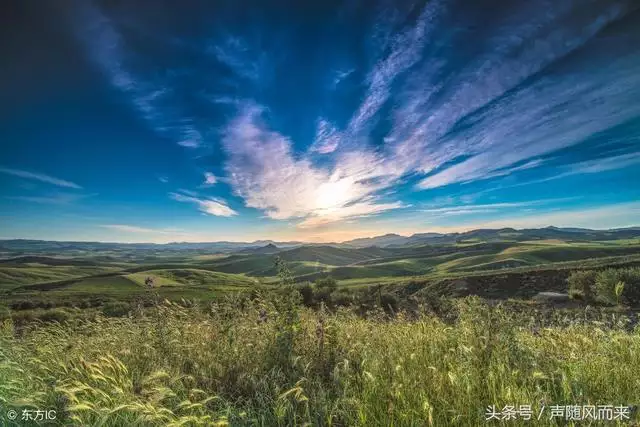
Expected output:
{"points": [[581, 285], [327, 282], [22, 305], [389, 303], [23, 316], [306, 291], [116, 309], [607, 280], [55, 315]]}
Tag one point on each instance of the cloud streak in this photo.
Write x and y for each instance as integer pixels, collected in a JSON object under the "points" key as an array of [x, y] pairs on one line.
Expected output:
{"points": [[144, 230], [215, 207], [154, 101], [40, 177]]}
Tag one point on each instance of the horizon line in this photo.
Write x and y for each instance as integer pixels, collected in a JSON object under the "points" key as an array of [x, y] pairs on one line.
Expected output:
{"points": [[3, 239]]}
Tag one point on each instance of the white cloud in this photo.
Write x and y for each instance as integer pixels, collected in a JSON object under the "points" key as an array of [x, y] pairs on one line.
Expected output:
{"points": [[39, 177], [264, 172], [216, 207], [605, 164], [128, 228], [209, 179], [488, 208], [327, 138], [136, 229]]}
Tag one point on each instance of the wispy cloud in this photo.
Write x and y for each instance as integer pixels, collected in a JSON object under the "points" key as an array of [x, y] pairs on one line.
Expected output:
{"points": [[54, 199], [153, 100], [552, 112], [136, 229], [216, 207], [327, 138], [39, 177], [489, 207], [163, 179], [603, 164]]}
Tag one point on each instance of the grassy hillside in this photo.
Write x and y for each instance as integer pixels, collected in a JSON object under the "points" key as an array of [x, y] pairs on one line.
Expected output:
{"points": [[171, 365], [27, 274], [191, 277]]}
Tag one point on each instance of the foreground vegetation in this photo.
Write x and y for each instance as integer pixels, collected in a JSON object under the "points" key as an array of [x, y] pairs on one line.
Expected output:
{"points": [[268, 361]]}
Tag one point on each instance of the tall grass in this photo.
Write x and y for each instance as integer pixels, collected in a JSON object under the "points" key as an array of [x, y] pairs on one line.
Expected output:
{"points": [[267, 362]]}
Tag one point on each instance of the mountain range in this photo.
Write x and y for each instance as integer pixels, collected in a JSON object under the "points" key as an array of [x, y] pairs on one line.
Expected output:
{"points": [[387, 240]]}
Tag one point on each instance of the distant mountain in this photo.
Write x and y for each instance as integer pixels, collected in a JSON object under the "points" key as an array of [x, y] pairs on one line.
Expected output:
{"points": [[262, 250], [19, 247], [492, 235], [571, 229], [385, 240], [278, 244]]}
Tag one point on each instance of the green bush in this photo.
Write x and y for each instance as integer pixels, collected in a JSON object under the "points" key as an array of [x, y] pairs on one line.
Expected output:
{"points": [[306, 291], [582, 284], [22, 316], [54, 315], [116, 309], [389, 303], [607, 280], [327, 282]]}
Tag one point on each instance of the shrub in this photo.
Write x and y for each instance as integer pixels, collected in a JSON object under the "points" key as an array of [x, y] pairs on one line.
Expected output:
{"points": [[55, 315], [582, 283], [22, 305], [328, 283], [343, 298], [306, 291], [22, 316], [389, 303], [116, 309], [607, 281]]}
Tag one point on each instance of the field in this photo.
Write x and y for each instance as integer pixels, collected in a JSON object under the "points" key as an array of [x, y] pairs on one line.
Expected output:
{"points": [[230, 364], [425, 334]]}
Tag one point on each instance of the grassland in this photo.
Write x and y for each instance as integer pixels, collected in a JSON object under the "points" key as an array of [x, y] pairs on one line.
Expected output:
{"points": [[199, 275], [268, 363], [401, 338]]}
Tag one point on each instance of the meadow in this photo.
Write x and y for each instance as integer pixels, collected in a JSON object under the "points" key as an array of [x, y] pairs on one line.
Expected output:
{"points": [[267, 361], [441, 334]]}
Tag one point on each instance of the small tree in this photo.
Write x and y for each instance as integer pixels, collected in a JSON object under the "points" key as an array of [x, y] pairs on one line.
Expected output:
{"points": [[306, 291], [283, 271]]}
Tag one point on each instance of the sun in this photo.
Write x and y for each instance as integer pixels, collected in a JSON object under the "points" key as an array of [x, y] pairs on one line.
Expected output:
{"points": [[333, 195]]}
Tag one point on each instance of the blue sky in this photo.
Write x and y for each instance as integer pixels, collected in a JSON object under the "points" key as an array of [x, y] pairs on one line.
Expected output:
{"points": [[316, 121]]}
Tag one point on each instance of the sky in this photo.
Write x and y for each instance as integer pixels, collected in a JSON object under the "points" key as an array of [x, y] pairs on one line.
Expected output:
{"points": [[316, 121]]}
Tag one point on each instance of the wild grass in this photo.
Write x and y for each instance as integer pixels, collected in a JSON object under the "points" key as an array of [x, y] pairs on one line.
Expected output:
{"points": [[269, 362]]}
